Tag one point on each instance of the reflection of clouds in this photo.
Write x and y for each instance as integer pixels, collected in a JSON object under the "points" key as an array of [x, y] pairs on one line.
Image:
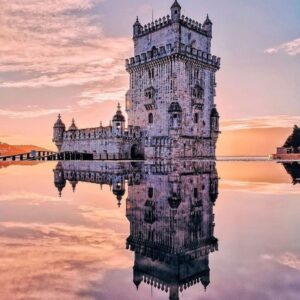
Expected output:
{"points": [[29, 198], [287, 259], [32, 112], [260, 187], [56, 261]]}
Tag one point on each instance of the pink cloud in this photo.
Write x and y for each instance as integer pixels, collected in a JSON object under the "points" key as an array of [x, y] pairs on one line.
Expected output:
{"points": [[32, 113], [49, 46]]}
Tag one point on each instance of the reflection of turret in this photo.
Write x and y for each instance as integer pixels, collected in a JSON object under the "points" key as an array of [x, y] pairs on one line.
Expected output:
{"points": [[73, 181], [114, 174], [119, 190], [137, 278], [59, 179], [172, 225]]}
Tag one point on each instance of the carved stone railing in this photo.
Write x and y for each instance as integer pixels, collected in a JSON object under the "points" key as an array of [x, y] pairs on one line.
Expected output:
{"points": [[170, 49]]}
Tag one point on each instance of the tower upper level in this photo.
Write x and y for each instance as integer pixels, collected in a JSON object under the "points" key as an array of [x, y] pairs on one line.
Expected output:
{"points": [[172, 33], [174, 28]]}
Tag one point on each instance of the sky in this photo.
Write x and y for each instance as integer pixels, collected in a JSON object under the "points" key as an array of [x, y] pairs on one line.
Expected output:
{"points": [[67, 56]]}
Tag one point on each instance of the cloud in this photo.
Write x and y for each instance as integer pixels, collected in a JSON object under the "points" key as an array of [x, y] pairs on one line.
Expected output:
{"points": [[57, 43], [57, 261], [32, 113], [291, 48], [281, 121], [288, 259], [28, 198]]}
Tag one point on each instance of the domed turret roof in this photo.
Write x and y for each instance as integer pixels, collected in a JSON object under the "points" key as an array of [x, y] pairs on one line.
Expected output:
{"points": [[119, 193], [73, 126], [59, 123], [175, 107], [118, 117]]}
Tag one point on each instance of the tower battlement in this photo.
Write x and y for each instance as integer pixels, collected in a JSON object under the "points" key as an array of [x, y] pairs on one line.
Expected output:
{"points": [[174, 29], [169, 49], [167, 21]]}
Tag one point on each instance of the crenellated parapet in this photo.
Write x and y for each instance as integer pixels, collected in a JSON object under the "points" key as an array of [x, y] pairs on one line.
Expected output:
{"points": [[173, 50], [165, 21], [154, 26], [102, 133]]}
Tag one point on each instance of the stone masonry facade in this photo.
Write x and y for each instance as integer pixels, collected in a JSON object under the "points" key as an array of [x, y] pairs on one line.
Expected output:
{"points": [[170, 101]]}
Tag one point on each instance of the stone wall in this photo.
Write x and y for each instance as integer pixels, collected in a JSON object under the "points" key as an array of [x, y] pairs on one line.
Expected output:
{"points": [[103, 142]]}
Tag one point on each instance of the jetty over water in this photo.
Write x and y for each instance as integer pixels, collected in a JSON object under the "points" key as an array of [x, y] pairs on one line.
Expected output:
{"points": [[33, 155], [47, 155]]}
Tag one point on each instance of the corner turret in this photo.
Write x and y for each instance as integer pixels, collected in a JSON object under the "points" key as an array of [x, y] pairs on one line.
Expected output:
{"points": [[59, 129], [175, 11], [118, 122], [137, 27], [207, 25]]}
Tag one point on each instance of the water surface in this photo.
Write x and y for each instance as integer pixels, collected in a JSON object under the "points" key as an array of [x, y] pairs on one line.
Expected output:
{"points": [[192, 230]]}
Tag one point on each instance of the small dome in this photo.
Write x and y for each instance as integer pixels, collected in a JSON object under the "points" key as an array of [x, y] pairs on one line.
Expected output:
{"points": [[119, 193], [59, 123], [73, 126], [118, 117], [175, 107]]}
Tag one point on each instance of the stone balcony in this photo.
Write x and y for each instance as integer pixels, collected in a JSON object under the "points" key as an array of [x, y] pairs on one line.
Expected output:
{"points": [[198, 103], [150, 104]]}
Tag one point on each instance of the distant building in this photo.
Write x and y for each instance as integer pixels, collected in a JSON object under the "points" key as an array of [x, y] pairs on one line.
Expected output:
{"points": [[291, 148], [170, 101]]}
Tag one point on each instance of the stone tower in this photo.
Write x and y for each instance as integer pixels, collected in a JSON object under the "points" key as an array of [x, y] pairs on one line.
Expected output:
{"points": [[172, 87]]}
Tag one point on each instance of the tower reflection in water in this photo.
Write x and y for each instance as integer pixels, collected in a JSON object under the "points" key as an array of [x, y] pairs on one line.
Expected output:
{"points": [[170, 210]]}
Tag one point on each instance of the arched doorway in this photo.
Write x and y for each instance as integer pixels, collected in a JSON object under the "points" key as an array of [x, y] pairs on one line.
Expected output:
{"points": [[135, 153]]}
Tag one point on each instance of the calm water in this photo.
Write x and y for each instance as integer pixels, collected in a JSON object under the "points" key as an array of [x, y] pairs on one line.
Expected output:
{"points": [[192, 230]]}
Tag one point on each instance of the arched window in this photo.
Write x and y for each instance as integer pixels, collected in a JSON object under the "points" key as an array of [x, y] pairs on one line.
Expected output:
{"points": [[150, 118], [196, 118], [150, 192], [195, 193]]}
